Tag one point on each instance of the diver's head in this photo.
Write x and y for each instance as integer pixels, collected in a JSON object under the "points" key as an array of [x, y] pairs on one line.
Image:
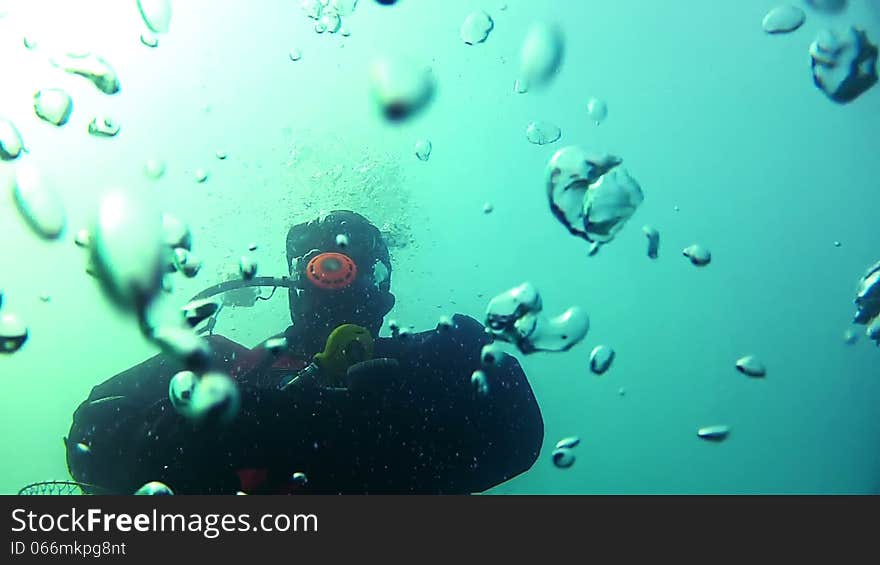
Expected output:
{"points": [[342, 270]]}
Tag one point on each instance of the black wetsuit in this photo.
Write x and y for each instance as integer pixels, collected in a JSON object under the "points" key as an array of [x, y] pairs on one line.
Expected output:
{"points": [[423, 429]]}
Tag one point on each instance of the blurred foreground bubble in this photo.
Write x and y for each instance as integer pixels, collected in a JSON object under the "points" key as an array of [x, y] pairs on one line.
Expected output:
{"points": [[844, 65], [476, 27], [200, 175], [37, 202], [491, 355], [53, 105], [480, 383], [311, 8], [92, 67], [154, 488], [187, 262], [11, 145], [344, 7], [184, 344], [783, 19], [156, 14], [154, 169], [276, 345], [175, 233], [400, 88], [445, 323], [180, 391], [196, 312], [590, 194], [516, 317], [597, 110], [215, 398], [127, 250], [247, 266], [541, 55], [873, 330], [13, 333], [867, 302], [542, 133], [827, 6]]}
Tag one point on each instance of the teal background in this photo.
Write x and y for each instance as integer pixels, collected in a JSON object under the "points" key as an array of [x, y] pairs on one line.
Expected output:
{"points": [[710, 114]]}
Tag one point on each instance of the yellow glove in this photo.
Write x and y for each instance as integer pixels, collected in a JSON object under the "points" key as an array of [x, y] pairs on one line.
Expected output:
{"points": [[347, 345]]}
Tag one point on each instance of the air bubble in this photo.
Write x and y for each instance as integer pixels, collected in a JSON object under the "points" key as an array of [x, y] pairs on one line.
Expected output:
{"points": [[127, 249], [563, 458], [480, 383], [92, 67], [476, 27], [542, 133], [653, 240], [185, 345], [103, 127], [180, 391], [714, 433], [601, 358], [597, 110], [541, 55], [198, 311], [156, 14], [423, 149], [37, 202], [783, 19], [154, 488], [247, 267], [568, 442], [751, 366], [400, 88], [200, 175], [154, 169], [11, 145], [491, 355], [698, 255], [53, 105], [13, 333], [150, 39]]}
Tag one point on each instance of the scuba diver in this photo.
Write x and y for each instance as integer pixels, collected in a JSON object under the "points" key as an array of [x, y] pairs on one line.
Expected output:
{"points": [[325, 407]]}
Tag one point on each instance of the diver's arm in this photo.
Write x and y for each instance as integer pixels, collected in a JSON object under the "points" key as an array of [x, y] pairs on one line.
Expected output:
{"points": [[127, 432], [457, 441]]}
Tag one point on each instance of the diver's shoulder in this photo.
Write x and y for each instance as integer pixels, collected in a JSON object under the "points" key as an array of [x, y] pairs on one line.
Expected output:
{"points": [[464, 324]]}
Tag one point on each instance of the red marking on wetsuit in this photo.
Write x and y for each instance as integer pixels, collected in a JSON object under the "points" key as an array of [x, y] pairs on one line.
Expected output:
{"points": [[256, 481]]}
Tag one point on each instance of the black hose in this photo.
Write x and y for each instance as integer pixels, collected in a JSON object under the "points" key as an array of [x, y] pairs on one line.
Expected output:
{"points": [[274, 282]]}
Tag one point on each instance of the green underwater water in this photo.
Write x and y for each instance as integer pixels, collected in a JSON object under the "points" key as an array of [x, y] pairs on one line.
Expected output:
{"points": [[719, 122]]}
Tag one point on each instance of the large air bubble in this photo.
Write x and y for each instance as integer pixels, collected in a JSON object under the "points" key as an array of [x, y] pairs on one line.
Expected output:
{"points": [[590, 194], [844, 65], [515, 316]]}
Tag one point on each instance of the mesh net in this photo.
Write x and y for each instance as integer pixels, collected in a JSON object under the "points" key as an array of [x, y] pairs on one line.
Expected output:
{"points": [[58, 488]]}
